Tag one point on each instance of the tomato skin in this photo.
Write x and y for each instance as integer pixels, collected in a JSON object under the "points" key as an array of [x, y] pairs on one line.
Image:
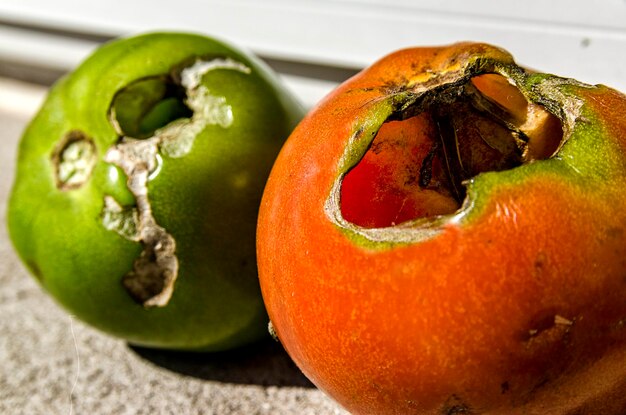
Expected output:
{"points": [[205, 195], [514, 306]]}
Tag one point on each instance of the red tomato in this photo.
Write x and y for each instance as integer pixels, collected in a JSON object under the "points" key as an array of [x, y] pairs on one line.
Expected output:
{"points": [[445, 234]]}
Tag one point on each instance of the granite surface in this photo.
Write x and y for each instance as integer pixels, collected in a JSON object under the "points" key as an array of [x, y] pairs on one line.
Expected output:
{"points": [[51, 363]]}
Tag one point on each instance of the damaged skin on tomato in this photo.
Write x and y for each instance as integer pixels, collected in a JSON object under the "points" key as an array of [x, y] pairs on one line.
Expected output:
{"points": [[137, 190], [446, 233]]}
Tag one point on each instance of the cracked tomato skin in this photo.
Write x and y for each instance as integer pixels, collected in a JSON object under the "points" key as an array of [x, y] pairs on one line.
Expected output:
{"points": [[515, 304], [206, 199]]}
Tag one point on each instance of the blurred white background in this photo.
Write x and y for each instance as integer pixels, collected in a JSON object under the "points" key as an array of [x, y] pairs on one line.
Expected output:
{"points": [[317, 44]]}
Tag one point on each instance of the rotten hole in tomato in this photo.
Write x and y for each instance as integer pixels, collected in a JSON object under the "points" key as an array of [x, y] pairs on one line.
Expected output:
{"points": [[141, 113], [420, 158], [158, 117], [146, 105]]}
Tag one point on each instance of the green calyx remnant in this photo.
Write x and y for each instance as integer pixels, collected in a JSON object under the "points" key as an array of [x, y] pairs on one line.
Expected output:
{"points": [[469, 122], [73, 160], [156, 116]]}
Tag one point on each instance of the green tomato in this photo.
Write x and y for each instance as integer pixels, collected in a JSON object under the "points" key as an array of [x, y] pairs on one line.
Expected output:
{"points": [[138, 185]]}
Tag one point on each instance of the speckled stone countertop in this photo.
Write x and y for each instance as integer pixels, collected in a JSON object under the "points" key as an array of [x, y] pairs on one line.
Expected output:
{"points": [[51, 363]]}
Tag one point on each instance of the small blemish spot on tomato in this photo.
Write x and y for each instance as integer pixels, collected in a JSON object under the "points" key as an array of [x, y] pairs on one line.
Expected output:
{"points": [[455, 406], [540, 264], [562, 321], [73, 160], [615, 232], [548, 329], [272, 331]]}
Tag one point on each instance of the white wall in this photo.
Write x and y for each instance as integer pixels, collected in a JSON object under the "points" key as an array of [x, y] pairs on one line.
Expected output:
{"points": [[568, 37]]}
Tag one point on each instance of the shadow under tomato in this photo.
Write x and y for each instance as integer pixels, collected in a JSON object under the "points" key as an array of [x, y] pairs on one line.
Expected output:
{"points": [[265, 363]]}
